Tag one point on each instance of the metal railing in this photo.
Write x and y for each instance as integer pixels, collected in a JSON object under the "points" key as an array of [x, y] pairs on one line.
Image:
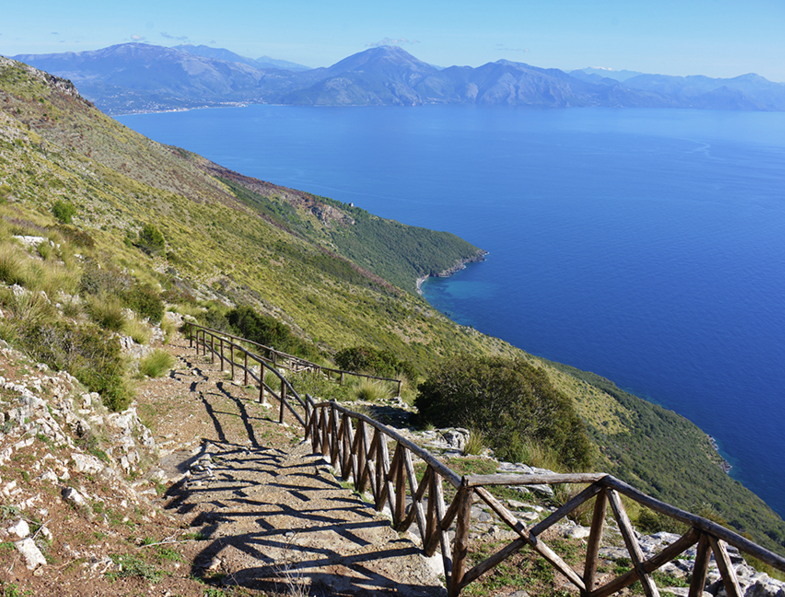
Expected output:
{"points": [[359, 448]]}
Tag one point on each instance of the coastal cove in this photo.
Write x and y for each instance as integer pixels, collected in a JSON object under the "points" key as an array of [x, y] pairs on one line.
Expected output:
{"points": [[643, 245]]}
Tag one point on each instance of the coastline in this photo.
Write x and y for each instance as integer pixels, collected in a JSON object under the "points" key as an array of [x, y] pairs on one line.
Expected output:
{"points": [[724, 465], [461, 264]]}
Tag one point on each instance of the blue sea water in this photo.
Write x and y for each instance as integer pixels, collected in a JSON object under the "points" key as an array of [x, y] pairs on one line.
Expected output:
{"points": [[647, 246]]}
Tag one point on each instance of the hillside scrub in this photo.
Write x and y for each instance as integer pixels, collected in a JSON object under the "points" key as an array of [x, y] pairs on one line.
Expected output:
{"points": [[510, 402], [367, 359], [268, 331]]}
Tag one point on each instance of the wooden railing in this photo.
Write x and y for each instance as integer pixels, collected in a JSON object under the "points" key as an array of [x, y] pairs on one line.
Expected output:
{"points": [[275, 358], [359, 448]]}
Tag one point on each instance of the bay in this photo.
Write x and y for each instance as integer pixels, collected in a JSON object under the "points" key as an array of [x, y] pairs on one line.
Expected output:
{"points": [[647, 246]]}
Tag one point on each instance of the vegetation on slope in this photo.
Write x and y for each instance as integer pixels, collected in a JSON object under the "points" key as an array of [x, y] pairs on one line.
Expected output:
{"points": [[511, 403], [230, 241]]}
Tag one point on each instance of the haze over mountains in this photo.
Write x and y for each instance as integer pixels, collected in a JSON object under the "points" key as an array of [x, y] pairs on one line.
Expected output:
{"points": [[139, 77]]}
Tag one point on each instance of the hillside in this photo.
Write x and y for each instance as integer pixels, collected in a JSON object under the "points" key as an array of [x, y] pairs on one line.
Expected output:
{"points": [[138, 77], [337, 276]]}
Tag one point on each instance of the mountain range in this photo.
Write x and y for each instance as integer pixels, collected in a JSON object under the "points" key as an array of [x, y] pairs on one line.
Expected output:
{"points": [[137, 77]]}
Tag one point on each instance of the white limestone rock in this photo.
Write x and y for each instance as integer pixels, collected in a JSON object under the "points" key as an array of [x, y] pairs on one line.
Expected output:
{"points": [[21, 529], [32, 555]]}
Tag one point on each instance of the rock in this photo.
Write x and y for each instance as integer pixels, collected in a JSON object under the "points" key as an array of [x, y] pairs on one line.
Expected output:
{"points": [[456, 438], [73, 497], [21, 529], [578, 532], [32, 555], [49, 476], [85, 463]]}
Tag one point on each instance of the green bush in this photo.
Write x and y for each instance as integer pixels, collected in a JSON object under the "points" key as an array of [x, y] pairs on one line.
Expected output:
{"points": [[150, 240], [268, 331], [144, 300], [86, 352], [510, 402], [107, 312], [64, 211], [367, 359]]}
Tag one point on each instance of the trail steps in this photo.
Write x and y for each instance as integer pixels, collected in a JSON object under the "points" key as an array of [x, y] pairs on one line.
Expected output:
{"points": [[272, 514]]}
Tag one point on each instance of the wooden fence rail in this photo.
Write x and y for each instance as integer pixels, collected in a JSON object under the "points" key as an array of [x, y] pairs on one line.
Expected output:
{"points": [[359, 448], [278, 359]]}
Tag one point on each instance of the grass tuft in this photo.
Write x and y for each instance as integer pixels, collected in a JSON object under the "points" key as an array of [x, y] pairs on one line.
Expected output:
{"points": [[372, 391], [156, 364]]}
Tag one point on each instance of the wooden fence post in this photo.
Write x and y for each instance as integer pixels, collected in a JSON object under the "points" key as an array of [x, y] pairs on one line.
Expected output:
{"points": [[222, 354], [245, 368], [261, 383], [283, 399], [461, 543], [212, 349]]}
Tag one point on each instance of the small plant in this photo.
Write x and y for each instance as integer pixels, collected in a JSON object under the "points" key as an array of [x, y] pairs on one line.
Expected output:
{"points": [[137, 330], [169, 554], [11, 266], [475, 444], [45, 250], [132, 566], [156, 364], [150, 240], [107, 312]]}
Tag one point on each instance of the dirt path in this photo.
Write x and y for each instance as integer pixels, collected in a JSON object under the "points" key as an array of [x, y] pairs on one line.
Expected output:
{"points": [[270, 515]]}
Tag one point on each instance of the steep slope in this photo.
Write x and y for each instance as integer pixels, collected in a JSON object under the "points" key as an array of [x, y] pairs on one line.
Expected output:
{"points": [[335, 275]]}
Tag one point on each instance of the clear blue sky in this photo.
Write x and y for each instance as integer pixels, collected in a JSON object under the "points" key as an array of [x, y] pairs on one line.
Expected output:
{"points": [[718, 38]]}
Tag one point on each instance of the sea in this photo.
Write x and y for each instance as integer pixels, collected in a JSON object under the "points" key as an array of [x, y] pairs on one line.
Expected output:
{"points": [[645, 245]]}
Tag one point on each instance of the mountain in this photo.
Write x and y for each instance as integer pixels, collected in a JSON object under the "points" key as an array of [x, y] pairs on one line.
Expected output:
{"points": [[140, 77], [605, 73], [385, 76], [229, 56], [747, 92]]}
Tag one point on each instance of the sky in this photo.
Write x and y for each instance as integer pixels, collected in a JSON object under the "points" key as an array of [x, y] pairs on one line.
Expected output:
{"points": [[717, 38]]}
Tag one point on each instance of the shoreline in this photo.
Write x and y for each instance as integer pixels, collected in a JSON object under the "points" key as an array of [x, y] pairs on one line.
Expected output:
{"points": [[478, 257], [724, 465]]}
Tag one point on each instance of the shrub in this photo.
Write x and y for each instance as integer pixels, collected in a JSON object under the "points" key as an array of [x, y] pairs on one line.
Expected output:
{"points": [[382, 363], [268, 331], [64, 211], [144, 300], [86, 352], [509, 401], [156, 364], [107, 312], [150, 240]]}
